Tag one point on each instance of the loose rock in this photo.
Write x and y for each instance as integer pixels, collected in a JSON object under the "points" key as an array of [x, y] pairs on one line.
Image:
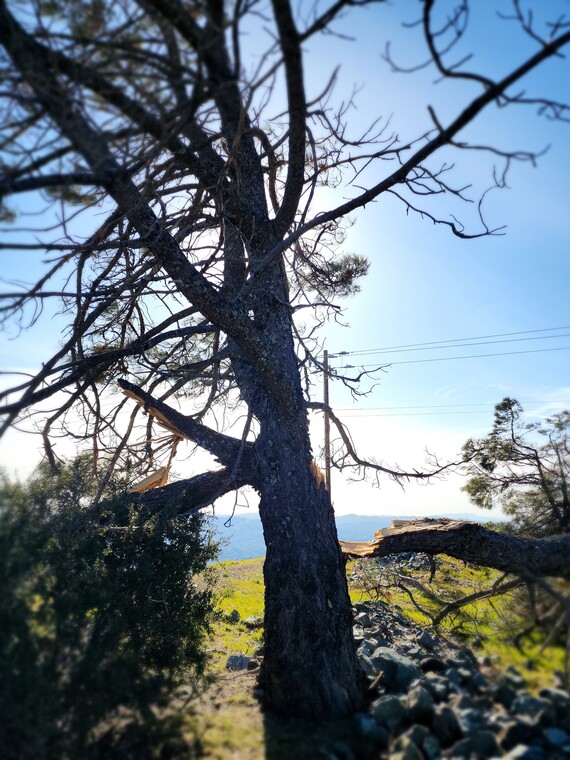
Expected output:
{"points": [[481, 745], [420, 704], [237, 662], [436, 703], [445, 726], [388, 712], [255, 621], [398, 671], [524, 752]]}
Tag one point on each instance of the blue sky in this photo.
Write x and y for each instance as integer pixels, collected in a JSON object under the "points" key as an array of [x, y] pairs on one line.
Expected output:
{"points": [[424, 284]]}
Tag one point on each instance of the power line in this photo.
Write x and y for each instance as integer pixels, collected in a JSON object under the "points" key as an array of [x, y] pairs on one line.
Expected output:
{"points": [[442, 343], [355, 416], [459, 345], [412, 414], [389, 411], [444, 406], [454, 358]]}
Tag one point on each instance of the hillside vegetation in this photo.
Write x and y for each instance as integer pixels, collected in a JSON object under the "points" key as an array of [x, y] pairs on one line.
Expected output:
{"points": [[226, 722]]}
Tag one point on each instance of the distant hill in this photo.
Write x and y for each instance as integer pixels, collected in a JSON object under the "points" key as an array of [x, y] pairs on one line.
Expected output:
{"points": [[243, 538]]}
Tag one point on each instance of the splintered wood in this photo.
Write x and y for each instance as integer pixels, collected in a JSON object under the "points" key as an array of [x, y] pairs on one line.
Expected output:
{"points": [[154, 480], [398, 528], [159, 477], [158, 416]]}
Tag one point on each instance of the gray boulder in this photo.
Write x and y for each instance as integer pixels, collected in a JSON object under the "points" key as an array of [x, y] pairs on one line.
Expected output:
{"points": [[398, 671], [409, 752], [420, 704], [525, 752], [558, 739], [433, 665], [369, 729], [471, 721], [558, 698], [255, 621], [526, 704], [363, 619], [416, 734], [445, 726], [514, 678], [431, 748], [388, 712], [237, 662], [410, 742], [482, 745], [436, 685], [426, 640], [452, 675], [515, 733], [366, 664], [503, 694], [540, 712]]}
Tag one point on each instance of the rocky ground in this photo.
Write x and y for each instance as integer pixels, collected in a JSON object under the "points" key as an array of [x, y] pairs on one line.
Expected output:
{"points": [[431, 698]]}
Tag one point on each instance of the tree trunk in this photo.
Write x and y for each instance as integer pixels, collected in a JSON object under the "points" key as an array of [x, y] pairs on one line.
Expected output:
{"points": [[310, 666]]}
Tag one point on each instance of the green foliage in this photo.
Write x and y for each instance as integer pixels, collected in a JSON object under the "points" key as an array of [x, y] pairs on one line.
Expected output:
{"points": [[7, 214], [339, 277], [524, 468], [99, 611], [495, 625], [72, 195], [85, 17], [243, 590]]}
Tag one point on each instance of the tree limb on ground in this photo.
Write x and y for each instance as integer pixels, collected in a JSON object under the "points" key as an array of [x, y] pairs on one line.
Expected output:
{"points": [[470, 542]]}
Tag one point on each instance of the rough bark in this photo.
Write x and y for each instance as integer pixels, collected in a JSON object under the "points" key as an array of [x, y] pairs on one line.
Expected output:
{"points": [[310, 666], [473, 543], [186, 497]]}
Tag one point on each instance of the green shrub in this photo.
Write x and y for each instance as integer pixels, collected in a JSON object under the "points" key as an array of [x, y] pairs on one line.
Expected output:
{"points": [[99, 612]]}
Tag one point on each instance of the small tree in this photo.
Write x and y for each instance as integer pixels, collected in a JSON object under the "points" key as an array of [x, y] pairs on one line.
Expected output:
{"points": [[524, 468], [98, 612]]}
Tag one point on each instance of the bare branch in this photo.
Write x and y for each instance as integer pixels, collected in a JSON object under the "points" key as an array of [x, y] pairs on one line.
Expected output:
{"points": [[224, 447], [290, 45], [352, 459]]}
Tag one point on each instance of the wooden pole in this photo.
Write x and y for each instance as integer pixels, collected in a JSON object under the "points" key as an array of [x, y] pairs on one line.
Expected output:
{"points": [[327, 422]]}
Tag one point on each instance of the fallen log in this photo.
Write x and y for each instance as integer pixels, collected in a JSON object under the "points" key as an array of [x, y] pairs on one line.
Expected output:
{"points": [[471, 542]]}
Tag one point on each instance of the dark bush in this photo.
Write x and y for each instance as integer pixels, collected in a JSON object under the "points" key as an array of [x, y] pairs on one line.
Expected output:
{"points": [[99, 613]]}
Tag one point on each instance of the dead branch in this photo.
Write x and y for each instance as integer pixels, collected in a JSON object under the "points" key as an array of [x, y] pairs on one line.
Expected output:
{"points": [[470, 542], [185, 497]]}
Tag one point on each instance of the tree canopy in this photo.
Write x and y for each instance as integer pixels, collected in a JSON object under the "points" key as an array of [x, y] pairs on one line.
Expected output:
{"points": [[195, 255], [523, 467]]}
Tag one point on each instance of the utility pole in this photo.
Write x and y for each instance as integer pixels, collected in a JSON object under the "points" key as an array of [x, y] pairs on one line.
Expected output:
{"points": [[327, 422]]}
